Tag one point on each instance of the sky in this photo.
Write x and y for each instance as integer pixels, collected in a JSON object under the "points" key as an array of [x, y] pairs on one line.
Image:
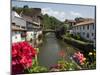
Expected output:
{"points": [[60, 11]]}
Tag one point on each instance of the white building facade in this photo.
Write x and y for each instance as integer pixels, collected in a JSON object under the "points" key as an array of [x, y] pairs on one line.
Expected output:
{"points": [[86, 30], [18, 27]]}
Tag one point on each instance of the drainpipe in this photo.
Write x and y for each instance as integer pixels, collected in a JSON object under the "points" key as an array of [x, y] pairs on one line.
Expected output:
{"points": [[35, 39]]}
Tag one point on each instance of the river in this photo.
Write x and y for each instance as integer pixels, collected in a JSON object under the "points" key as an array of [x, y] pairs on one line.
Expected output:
{"points": [[49, 51]]}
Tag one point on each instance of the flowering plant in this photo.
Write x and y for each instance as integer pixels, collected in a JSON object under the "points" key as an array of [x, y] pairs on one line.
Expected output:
{"points": [[64, 65], [62, 54], [79, 57], [22, 55]]}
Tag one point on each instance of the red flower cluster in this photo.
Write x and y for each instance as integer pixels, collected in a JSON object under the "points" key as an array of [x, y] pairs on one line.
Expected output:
{"points": [[79, 57], [22, 55], [57, 66], [62, 53]]}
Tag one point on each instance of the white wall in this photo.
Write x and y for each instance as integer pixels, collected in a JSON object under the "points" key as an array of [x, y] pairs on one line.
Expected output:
{"points": [[18, 20], [16, 38], [85, 30]]}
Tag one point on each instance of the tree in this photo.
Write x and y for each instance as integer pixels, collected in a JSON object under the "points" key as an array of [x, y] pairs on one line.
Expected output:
{"points": [[25, 6], [25, 9], [79, 19], [46, 21], [51, 22], [14, 8]]}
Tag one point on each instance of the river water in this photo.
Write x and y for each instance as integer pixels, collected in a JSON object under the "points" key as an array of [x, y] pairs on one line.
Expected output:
{"points": [[49, 51]]}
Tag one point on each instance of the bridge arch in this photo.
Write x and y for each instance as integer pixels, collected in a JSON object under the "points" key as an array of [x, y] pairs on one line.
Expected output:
{"points": [[48, 30]]}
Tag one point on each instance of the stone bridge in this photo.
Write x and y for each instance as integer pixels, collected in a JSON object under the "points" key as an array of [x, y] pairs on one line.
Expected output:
{"points": [[48, 30]]}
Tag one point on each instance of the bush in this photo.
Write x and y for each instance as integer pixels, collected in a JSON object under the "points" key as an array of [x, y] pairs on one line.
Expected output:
{"points": [[91, 61], [79, 58], [63, 65], [84, 46], [36, 69]]}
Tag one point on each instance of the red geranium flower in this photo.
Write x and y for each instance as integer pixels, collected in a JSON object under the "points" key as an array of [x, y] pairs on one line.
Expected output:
{"points": [[62, 53], [22, 54]]}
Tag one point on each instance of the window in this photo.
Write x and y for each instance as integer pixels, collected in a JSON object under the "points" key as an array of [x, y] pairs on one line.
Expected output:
{"points": [[13, 24], [83, 27], [88, 27], [92, 34], [83, 33], [93, 26], [74, 28], [15, 32], [87, 35], [23, 27], [80, 27]]}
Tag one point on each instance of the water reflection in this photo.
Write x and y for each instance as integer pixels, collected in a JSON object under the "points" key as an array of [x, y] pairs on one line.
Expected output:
{"points": [[49, 51]]}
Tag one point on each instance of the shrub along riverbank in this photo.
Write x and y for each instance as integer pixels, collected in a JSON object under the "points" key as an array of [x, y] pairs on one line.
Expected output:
{"points": [[77, 42], [85, 46]]}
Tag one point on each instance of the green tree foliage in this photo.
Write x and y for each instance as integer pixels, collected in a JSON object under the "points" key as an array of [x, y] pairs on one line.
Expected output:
{"points": [[25, 6], [46, 21], [25, 10], [17, 9], [79, 19], [51, 22]]}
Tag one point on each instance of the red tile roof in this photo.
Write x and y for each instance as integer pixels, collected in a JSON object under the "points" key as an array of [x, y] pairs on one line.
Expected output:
{"points": [[85, 22]]}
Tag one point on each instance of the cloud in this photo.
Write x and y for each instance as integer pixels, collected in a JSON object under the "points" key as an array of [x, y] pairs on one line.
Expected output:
{"points": [[61, 15], [58, 14], [75, 14]]}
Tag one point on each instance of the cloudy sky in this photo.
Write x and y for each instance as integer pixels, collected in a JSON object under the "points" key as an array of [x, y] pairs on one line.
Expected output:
{"points": [[60, 11]]}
